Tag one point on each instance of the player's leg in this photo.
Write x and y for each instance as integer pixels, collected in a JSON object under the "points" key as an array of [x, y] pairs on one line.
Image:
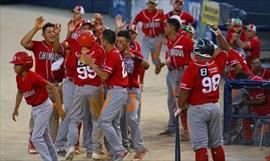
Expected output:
{"points": [[215, 132], [41, 116], [87, 131], [170, 104], [110, 111], [96, 102], [68, 92], [124, 129], [133, 123], [146, 47], [198, 130], [50, 145], [31, 147], [75, 118]]}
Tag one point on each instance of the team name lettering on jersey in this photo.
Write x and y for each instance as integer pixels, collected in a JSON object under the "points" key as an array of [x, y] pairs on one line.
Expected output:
{"points": [[49, 56], [152, 24], [29, 93]]}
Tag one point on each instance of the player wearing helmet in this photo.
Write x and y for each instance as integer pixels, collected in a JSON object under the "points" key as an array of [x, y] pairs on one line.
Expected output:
{"points": [[33, 88], [199, 91]]}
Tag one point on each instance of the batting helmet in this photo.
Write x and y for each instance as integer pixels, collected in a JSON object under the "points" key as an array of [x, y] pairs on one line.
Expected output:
{"points": [[24, 59], [204, 48], [132, 27], [86, 39]]}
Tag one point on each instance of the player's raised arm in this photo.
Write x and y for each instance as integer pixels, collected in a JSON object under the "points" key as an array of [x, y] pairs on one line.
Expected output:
{"points": [[26, 41], [224, 45], [19, 97], [57, 48], [119, 24]]}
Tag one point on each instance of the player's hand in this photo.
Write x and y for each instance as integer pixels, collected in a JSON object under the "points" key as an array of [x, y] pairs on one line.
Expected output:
{"points": [[71, 26], [61, 113], [57, 29], [85, 58], [119, 22], [39, 23], [213, 27], [14, 115]]}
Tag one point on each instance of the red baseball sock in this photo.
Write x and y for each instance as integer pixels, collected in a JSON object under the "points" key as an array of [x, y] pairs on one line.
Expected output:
{"points": [[218, 154], [201, 154]]}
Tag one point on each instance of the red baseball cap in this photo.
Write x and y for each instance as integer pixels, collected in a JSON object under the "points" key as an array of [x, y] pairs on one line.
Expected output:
{"points": [[251, 27], [132, 27]]}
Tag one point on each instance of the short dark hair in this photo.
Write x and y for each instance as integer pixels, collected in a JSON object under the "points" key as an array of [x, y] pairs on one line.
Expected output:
{"points": [[109, 35], [125, 34], [47, 25], [241, 75], [175, 23]]}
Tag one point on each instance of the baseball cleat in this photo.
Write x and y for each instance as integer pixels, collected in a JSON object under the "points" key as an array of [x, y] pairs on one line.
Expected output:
{"points": [[100, 156], [31, 148], [70, 154], [140, 154], [122, 156], [167, 133], [61, 151], [89, 155], [77, 150]]}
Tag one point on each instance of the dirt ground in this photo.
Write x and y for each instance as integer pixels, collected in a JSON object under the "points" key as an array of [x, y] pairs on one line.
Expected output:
{"points": [[15, 22]]}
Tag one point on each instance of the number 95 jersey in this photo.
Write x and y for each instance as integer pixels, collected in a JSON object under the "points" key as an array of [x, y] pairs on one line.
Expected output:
{"points": [[84, 75], [202, 79]]}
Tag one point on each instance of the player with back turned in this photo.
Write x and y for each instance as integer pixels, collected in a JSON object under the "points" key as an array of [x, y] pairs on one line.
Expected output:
{"points": [[199, 91]]}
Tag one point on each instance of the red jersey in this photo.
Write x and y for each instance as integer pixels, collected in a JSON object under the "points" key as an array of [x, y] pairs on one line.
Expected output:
{"points": [[152, 23], [255, 94], [179, 50], [74, 47], [235, 57], [265, 74], [243, 36], [135, 46], [133, 69], [33, 88], [85, 75], [186, 18], [115, 66], [202, 79], [44, 57], [254, 48]]}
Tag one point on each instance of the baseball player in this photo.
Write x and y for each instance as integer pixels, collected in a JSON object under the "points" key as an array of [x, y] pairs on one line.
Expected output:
{"points": [[253, 44], [199, 90], [87, 92], [115, 76], [75, 24], [258, 70], [44, 57], [70, 46], [186, 18], [133, 61], [153, 21], [99, 26], [177, 58], [236, 34], [33, 88], [236, 62]]}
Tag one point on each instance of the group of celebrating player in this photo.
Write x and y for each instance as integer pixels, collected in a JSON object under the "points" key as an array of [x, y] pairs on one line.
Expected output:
{"points": [[98, 73]]}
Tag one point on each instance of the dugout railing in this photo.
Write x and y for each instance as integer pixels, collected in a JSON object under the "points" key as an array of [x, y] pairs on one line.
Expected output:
{"points": [[233, 127]]}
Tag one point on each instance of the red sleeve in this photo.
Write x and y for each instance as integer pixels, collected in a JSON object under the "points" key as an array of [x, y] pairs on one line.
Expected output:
{"points": [[138, 46], [232, 58], [221, 59], [39, 81], [110, 63], [163, 18], [35, 47], [138, 18], [191, 19], [187, 80], [99, 56]]}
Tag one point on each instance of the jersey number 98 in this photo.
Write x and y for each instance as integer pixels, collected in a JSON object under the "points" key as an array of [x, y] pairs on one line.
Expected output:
{"points": [[210, 84]]}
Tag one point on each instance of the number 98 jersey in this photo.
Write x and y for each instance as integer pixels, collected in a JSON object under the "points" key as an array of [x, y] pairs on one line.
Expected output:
{"points": [[203, 79]]}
